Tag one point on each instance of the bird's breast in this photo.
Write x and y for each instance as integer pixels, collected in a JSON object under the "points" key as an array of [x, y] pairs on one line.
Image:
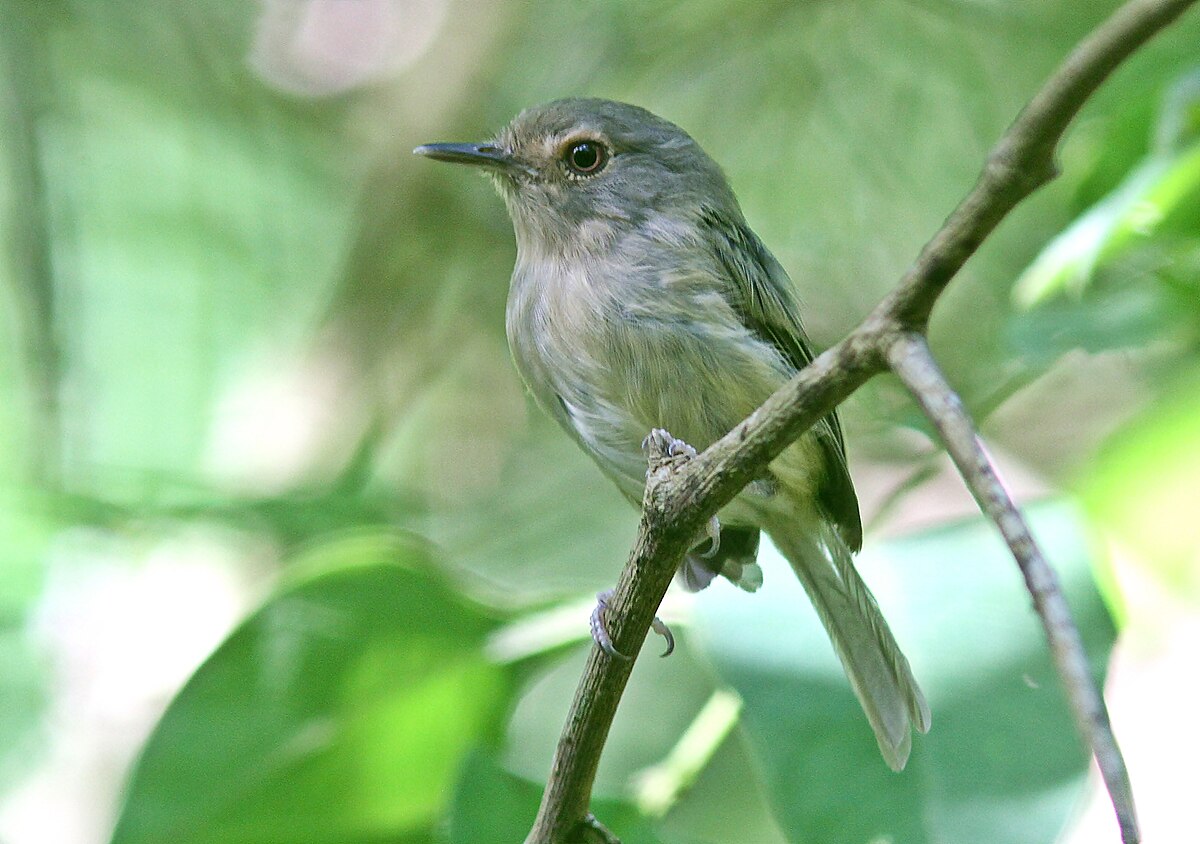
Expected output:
{"points": [[613, 356]]}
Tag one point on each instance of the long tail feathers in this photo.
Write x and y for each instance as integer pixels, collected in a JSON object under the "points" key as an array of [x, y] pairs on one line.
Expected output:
{"points": [[879, 673]]}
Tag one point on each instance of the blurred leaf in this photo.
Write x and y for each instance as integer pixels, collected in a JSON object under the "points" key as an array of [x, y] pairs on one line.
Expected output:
{"points": [[24, 533], [1161, 194], [1159, 457], [662, 701], [341, 711], [188, 214], [491, 805], [728, 803], [22, 701], [512, 534], [1179, 127], [662, 698], [1132, 316], [659, 787], [1002, 762], [210, 273]]}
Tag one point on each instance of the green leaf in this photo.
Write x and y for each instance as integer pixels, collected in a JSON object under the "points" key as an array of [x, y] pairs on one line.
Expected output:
{"points": [[1145, 485], [24, 538], [1161, 195], [190, 214], [1002, 762], [340, 711]]}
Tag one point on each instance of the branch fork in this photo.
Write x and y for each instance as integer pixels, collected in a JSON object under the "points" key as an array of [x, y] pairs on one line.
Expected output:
{"points": [[684, 492]]}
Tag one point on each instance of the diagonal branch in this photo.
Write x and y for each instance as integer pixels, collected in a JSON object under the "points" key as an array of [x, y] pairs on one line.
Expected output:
{"points": [[911, 359], [681, 498], [1023, 160]]}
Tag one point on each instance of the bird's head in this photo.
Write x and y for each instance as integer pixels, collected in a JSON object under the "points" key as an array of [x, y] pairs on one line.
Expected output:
{"points": [[578, 173]]}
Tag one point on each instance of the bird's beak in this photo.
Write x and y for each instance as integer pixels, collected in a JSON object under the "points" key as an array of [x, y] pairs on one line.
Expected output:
{"points": [[486, 154]]}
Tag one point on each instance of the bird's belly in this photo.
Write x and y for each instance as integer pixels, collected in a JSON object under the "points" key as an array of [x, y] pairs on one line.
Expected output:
{"points": [[614, 383]]}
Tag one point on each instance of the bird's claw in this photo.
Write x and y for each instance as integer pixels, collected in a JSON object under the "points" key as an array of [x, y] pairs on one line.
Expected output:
{"points": [[678, 448], [660, 446], [713, 531], [600, 632], [660, 442], [660, 627]]}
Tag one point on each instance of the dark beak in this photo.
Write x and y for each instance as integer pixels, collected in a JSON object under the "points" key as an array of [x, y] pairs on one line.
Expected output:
{"points": [[484, 155]]}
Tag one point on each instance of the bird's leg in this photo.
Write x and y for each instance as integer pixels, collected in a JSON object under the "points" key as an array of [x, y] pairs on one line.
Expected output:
{"points": [[600, 632], [660, 447]]}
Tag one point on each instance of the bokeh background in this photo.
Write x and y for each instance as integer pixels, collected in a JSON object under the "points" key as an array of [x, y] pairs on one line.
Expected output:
{"points": [[287, 555]]}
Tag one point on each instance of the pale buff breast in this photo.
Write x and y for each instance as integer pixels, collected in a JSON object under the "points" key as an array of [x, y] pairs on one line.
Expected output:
{"points": [[611, 367]]}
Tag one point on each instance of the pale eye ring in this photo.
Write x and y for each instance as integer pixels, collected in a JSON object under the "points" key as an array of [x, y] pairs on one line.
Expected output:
{"points": [[585, 158]]}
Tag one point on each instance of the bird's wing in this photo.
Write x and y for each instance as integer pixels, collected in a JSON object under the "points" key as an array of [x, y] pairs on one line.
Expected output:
{"points": [[763, 298]]}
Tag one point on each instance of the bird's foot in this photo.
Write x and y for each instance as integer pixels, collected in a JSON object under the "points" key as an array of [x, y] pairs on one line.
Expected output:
{"points": [[661, 447], [600, 632]]}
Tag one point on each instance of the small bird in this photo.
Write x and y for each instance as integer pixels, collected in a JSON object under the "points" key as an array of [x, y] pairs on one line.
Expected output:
{"points": [[641, 300]]}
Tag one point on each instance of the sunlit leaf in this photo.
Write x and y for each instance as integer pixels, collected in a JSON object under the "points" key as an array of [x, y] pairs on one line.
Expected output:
{"points": [[1145, 486], [1162, 193], [24, 534], [341, 711]]}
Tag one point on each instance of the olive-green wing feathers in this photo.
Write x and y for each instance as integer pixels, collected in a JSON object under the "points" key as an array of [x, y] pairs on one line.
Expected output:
{"points": [[763, 298]]}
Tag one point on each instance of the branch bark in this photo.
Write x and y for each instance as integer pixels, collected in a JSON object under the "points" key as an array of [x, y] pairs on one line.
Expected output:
{"points": [[681, 497], [911, 359]]}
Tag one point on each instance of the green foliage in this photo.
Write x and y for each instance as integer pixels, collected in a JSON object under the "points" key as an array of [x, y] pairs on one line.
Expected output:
{"points": [[1160, 456], [1002, 736], [361, 702], [1143, 239], [340, 711], [233, 301]]}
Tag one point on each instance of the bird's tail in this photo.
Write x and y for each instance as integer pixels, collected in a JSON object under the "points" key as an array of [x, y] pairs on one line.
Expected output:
{"points": [[878, 671]]}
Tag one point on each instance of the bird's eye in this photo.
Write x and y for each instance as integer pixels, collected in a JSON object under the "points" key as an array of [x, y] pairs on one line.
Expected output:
{"points": [[586, 158]]}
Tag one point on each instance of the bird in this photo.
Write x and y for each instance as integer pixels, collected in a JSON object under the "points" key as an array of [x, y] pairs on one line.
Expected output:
{"points": [[641, 300]]}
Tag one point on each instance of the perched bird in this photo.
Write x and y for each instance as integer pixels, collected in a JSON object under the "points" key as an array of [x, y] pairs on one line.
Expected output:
{"points": [[641, 300]]}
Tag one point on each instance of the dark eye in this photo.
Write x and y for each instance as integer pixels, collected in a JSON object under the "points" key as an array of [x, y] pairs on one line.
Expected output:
{"points": [[586, 158]]}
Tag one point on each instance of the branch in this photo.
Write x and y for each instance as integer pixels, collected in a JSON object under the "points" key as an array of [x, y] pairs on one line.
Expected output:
{"points": [[1023, 160], [680, 498], [910, 359]]}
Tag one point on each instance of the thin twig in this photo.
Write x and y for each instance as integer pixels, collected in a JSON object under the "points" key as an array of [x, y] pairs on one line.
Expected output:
{"points": [[911, 359], [680, 501]]}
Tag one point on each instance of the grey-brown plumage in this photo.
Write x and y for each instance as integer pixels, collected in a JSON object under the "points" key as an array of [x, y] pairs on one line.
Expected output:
{"points": [[641, 299]]}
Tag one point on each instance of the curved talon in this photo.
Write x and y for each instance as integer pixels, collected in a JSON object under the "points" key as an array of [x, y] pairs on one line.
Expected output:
{"points": [[656, 435], [678, 448], [670, 445], [713, 531], [599, 631], [661, 629], [594, 831]]}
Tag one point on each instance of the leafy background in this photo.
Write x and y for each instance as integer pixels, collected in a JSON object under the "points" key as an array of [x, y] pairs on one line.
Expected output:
{"points": [[287, 555]]}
